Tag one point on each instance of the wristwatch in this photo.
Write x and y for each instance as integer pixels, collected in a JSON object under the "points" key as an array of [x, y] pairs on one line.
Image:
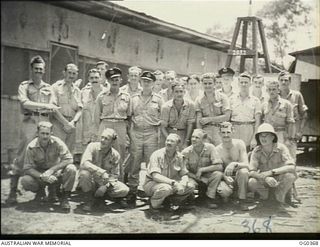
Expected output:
{"points": [[273, 172], [173, 183]]}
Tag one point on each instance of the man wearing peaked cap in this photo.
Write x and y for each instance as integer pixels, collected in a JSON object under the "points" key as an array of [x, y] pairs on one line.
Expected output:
{"points": [[245, 111], [224, 71], [113, 72], [144, 132], [133, 84], [148, 75], [227, 79], [111, 111]]}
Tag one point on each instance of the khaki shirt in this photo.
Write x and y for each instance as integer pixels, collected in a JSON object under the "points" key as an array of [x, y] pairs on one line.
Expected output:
{"points": [[279, 115], [109, 106], [211, 108], [208, 156], [146, 113], [86, 122], [297, 101], [69, 101], [244, 110], [279, 157], [159, 163], [107, 161], [170, 117], [41, 160], [29, 92]]}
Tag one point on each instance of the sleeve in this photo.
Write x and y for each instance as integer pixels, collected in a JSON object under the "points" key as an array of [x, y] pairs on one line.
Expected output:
{"points": [[286, 157], [197, 105], [185, 158], [97, 112], [290, 117], [254, 161], [165, 115], [22, 93], [225, 103], [64, 153], [214, 156], [87, 155], [53, 98], [184, 171], [154, 165], [28, 159], [302, 107], [77, 97], [192, 113], [129, 107]]}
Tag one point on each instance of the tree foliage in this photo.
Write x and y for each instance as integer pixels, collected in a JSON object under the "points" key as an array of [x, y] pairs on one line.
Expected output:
{"points": [[281, 17]]}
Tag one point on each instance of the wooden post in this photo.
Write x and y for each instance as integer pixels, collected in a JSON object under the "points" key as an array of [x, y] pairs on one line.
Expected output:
{"points": [[264, 47], [234, 41], [254, 46], [244, 44]]}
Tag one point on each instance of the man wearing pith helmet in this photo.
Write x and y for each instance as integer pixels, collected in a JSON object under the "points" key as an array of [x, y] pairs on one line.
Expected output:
{"points": [[144, 132], [271, 166]]}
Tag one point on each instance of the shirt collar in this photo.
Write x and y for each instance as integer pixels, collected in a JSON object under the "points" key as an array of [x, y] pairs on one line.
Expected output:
{"points": [[37, 144]]}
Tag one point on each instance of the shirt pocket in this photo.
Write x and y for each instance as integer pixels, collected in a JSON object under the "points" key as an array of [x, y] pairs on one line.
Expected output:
{"points": [[45, 96], [154, 109], [123, 105], [107, 107], [63, 98]]}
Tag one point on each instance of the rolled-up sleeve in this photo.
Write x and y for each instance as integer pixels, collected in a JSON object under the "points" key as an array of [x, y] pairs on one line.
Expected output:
{"points": [[214, 156], [225, 103], [64, 153], [28, 159], [254, 161], [154, 166], [286, 157], [192, 113], [22, 93]]}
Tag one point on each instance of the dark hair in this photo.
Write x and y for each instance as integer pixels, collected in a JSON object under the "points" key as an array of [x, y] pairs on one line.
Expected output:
{"points": [[196, 77], [36, 59]]}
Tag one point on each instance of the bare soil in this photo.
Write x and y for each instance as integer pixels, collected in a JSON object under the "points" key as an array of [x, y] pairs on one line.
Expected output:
{"points": [[28, 217]]}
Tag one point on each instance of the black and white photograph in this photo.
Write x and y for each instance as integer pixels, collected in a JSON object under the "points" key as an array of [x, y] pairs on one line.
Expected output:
{"points": [[158, 118]]}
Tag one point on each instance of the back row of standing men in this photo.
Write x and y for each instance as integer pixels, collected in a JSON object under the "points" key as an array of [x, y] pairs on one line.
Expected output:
{"points": [[150, 107]]}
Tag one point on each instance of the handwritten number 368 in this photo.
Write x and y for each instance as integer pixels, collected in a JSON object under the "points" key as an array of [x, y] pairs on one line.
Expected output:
{"points": [[252, 227]]}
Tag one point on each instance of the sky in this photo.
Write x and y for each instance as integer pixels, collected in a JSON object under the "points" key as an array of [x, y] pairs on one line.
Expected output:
{"points": [[200, 15]]}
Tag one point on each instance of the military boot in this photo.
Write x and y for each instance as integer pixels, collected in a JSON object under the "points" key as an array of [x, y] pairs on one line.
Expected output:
{"points": [[12, 198], [88, 201], [41, 195]]}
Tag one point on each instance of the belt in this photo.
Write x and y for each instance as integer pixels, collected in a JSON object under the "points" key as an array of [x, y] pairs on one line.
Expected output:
{"points": [[113, 120], [142, 128], [242, 123], [35, 113]]}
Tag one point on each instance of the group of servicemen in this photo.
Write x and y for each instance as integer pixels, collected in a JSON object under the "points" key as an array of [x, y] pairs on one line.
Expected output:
{"points": [[193, 133]]}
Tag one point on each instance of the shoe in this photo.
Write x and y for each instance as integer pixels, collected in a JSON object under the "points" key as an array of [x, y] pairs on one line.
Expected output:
{"points": [[87, 206], [212, 203]]}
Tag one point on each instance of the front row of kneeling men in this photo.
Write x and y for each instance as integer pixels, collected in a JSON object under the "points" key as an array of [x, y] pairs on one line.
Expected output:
{"points": [[172, 176]]}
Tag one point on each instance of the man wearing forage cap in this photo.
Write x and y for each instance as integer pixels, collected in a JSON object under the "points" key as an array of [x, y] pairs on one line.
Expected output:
{"points": [[227, 79]]}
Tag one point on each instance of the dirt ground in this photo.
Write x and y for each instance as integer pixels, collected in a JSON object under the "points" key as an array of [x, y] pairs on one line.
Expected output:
{"points": [[29, 218]]}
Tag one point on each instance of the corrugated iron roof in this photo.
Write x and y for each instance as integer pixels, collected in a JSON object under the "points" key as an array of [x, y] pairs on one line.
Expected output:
{"points": [[310, 51], [143, 22]]}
